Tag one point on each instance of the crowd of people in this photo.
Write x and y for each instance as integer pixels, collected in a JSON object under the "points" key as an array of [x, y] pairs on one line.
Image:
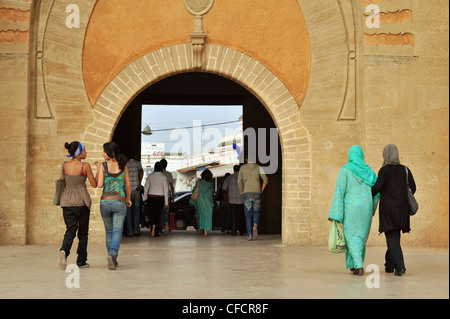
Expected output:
{"points": [[123, 196], [357, 193]]}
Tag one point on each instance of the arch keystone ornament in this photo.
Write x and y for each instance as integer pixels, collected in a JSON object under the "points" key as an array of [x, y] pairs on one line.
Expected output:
{"points": [[198, 8]]}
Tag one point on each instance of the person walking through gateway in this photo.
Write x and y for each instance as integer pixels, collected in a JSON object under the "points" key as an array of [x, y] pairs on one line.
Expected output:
{"points": [[353, 206], [205, 202], [394, 208], [156, 191], [112, 176], [133, 219], [76, 203], [236, 201], [166, 215], [250, 186]]}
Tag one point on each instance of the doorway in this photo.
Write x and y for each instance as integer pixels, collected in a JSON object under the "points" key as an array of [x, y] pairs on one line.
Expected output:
{"points": [[199, 88]]}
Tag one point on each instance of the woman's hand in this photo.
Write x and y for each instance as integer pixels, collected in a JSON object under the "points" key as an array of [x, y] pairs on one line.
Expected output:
{"points": [[98, 164], [129, 203]]}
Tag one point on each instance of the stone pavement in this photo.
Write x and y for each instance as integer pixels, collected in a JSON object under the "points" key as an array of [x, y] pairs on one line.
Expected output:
{"points": [[184, 265]]}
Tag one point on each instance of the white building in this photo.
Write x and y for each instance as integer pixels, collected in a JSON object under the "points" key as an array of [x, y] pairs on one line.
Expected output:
{"points": [[186, 169]]}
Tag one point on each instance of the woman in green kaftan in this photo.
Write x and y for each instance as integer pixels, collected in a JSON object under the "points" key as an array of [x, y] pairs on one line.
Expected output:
{"points": [[354, 206], [205, 203]]}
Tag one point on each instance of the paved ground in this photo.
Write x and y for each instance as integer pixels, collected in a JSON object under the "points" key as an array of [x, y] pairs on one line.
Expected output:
{"points": [[183, 265]]}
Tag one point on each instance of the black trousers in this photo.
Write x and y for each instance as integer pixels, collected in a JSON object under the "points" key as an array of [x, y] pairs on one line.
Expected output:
{"points": [[394, 253], [77, 222], [155, 208], [237, 218]]}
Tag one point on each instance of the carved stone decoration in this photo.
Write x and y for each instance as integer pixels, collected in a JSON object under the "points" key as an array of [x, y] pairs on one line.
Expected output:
{"points": [[198, 8], [39, 97], [347, 111]]}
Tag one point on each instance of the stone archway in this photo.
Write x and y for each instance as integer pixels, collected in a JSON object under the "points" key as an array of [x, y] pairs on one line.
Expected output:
{"points": [[60, 107], [246, 71]]}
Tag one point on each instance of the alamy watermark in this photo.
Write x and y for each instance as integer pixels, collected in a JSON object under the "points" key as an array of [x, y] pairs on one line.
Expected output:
{"points": [[73, 280], [73, 19], [373, 20], [373, 280], [256, 146]]}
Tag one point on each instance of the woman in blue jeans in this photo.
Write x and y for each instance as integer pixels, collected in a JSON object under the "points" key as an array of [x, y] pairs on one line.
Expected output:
{"points": [[113, 177]]}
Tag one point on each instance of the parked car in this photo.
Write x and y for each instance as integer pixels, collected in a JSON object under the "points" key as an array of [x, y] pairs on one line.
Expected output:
{"points": [[184, 211]]}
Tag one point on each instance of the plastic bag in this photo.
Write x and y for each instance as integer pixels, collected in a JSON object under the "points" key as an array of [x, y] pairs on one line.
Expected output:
{"points": [[336, 240]]}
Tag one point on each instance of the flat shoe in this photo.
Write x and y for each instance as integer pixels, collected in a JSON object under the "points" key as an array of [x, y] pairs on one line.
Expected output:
{"points": [[358, 272], [112, 264], [400, 272], [62, 260], [255, 232]]}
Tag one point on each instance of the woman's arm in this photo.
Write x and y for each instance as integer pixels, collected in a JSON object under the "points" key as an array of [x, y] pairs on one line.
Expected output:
{"points": [[337, 204], [90, 175], [166, 191], [379, 183], [99, 178], [128, 187]]}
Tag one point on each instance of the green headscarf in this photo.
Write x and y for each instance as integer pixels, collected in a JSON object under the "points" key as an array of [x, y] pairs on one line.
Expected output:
{"points": [[357, 165]]}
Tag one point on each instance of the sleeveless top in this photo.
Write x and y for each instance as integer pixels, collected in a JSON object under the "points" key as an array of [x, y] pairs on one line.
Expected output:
{"points": [[75, 194], [113, 185]]}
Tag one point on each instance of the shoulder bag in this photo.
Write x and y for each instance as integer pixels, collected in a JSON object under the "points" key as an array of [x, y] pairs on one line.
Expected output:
{"points": [[60, 185], [413, 205], [194, 195]]}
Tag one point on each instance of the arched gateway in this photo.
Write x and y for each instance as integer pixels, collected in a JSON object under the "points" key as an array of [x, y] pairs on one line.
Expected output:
{"points": [[249, 73], [86, 78], [328, 79]]}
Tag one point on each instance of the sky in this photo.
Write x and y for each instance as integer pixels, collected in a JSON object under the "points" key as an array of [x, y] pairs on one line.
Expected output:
{"points": [[177, 122]]}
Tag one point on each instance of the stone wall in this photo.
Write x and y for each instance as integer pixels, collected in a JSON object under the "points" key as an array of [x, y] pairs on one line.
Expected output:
{"points": [[407, 103], [329, 83], [14, 34]]}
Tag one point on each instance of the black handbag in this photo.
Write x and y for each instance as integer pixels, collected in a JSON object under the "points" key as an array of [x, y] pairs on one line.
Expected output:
{"points": [[412, 202]]}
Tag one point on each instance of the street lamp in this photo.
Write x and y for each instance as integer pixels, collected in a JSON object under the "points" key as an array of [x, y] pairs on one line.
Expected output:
{"points": [[147, 130]]}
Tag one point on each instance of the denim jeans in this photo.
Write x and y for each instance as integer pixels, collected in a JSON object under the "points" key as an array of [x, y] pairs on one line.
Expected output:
{"points": [[252, 210], [113, 214], [166, 214], [165, 217], [133, 219]]}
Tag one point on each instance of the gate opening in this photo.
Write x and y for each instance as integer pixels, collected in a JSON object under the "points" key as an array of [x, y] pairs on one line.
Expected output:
{"points": [[194, 92]]}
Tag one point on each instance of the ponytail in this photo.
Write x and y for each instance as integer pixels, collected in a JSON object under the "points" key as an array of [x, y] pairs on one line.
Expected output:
{"points": [[122, 160]]}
